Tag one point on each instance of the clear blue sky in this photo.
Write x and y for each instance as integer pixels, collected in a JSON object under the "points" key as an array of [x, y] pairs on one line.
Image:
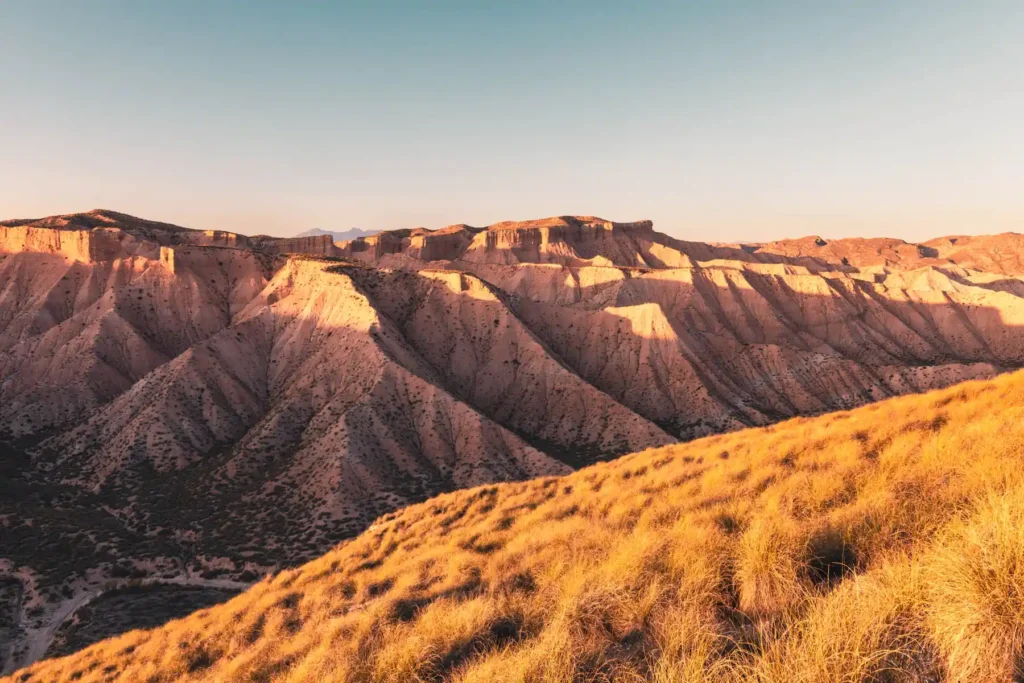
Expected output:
{"points": [[719, 120]]}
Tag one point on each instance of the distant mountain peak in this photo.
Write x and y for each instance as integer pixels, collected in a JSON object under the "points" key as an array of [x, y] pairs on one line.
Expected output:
{"points": [[339, 236]]}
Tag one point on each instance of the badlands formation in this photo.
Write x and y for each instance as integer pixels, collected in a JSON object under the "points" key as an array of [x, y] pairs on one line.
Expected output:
{"points": [[197, 408]]}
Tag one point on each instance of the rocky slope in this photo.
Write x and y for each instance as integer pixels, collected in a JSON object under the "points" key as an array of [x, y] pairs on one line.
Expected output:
{"points": [[178, 403]]}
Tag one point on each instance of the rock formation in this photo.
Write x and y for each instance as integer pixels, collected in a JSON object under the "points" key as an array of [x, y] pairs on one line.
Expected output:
{"points": [[177, 402]]}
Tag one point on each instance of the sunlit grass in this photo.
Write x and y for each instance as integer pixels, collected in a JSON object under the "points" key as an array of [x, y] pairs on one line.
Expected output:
{"points": [[880, 544]]}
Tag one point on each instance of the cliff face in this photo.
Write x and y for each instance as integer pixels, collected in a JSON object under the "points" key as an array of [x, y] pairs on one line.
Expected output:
{"points": [[216, 238], [107, 235], [422, 245], [72, 244], [566, 240], [87, 246], [317, 245], [589, 241]]}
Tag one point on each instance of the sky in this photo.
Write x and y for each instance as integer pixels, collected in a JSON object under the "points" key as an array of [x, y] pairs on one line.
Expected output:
{"points": [[722, 120]]}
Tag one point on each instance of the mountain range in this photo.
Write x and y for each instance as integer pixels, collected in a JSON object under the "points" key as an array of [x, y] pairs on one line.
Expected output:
{"points": [[200, 408], [338, 235]]}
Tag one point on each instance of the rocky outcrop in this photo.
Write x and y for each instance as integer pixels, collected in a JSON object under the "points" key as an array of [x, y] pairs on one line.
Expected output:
{"points": [[74, 244], [103, 235], [87, 246], [317, 245], [422, 245], [215, 238], [566, 240]]}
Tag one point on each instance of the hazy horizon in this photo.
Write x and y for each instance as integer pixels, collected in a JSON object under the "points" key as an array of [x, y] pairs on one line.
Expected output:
{"points": [[723, 122]]}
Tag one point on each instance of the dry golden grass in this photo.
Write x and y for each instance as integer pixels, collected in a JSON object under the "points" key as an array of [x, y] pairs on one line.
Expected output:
{"points": [[880, 544]]}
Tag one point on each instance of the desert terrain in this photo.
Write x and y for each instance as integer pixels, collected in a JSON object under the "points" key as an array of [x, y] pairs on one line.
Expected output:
{"points": [[193, 410]]}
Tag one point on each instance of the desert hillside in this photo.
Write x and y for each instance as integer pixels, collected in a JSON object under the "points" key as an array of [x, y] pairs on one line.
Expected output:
{"points": [[192, 409], [882, 543]]}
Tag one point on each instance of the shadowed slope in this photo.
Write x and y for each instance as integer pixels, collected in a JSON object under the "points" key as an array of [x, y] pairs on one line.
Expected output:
{"points": [[702, 350], [312, 384], [79, 334], [483, 352]]}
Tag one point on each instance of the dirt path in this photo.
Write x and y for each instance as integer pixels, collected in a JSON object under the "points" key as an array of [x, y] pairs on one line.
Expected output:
{"points": [[17, 611], [39, 639]]}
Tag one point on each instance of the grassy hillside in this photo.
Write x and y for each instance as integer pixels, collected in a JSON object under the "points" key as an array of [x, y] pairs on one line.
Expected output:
{"points": [[884, 543]]}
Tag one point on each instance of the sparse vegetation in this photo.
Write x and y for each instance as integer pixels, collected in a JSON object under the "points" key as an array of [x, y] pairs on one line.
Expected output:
{"points": [[128, 608], [879, 544]]}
